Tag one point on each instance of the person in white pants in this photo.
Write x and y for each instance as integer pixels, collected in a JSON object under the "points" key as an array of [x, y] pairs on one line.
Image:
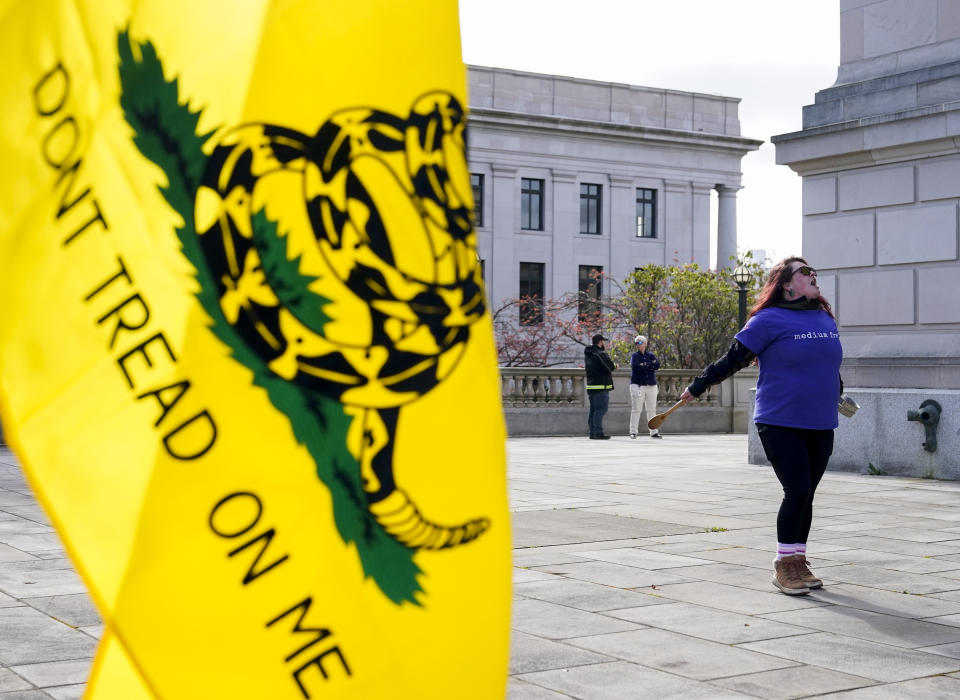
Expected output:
{"points": [[643, 385]]}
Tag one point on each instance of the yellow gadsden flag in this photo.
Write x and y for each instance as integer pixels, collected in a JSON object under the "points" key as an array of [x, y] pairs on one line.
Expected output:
{"points": [[245, 355]]}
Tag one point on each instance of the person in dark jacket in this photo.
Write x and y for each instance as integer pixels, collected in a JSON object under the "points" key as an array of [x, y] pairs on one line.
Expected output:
{"points": [[643, 385], [599, 368], [793, 334]]}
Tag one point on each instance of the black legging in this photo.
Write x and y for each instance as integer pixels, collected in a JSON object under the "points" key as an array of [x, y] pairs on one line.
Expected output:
{"points": [[799, 458]]}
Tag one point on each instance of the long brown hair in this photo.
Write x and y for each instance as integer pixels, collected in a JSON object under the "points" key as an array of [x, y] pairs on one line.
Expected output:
{"points": [[772, 292]]}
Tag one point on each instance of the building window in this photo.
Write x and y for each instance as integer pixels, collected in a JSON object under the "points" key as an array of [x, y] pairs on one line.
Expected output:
{"points": [[531, 293], [646, 213], [531, 204], [590, 288], [476, 183], [590, 208]]}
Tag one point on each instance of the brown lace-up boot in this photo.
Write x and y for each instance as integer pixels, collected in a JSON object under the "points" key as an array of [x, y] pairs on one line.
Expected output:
{"points": [[805, 574], [787, 577]]}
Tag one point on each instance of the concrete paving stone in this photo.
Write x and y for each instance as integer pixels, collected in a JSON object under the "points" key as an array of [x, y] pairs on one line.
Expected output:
{"points": [[531, 653], [25, 695], [592, 597], [794, 682], [913, 535], [38, 564], [94, 631], [34, 513], [856, 656], [13, 498], [11, 681], [933, 688], [684, 547], [53, 673], [67, 692], [523, 575], [707, 623], [741, 556], [538, 528], [31, 637], [76, 610], [730, 574], [551, 621], [884, 602], [21, 526], [886, 579], [736, 599], [624, 681], [521, 690], [642, 558], [537, 556], [8, 553], [953, 620], [31, 542], [680, 654], [946, 595], [51, 554], [40, 583], [682, 518], [949, 557], [894, 546], [575, 547], [872, 626], [952, 650], [896, 562], [764, 508], [616, 575], [7, 601]]}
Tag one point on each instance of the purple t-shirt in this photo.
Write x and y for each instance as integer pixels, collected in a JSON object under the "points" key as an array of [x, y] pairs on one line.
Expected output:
{"points": [[800, 354]]}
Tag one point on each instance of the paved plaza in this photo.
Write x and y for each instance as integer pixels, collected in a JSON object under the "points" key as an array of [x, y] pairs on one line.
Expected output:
{"points": [[642, 570]]}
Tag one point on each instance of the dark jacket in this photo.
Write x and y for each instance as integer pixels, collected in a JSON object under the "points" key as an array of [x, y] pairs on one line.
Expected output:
{"points": [[643, 366], [599, 368]]}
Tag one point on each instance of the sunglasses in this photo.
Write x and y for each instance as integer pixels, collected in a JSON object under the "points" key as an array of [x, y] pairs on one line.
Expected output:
{"points": [[804, 270]]}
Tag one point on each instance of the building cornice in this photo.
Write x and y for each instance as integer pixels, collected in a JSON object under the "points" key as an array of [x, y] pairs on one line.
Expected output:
{"points": [[504, 120]]}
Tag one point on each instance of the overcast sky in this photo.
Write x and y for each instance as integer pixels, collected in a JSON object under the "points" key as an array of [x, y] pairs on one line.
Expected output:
{"points": [[774, 55]]}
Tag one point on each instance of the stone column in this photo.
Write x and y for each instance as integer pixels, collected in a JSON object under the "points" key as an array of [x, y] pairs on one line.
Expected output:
{"points": [[701, 224], [503, 274], [726, 226], [562, 271], [677, 223], [623, 226]]}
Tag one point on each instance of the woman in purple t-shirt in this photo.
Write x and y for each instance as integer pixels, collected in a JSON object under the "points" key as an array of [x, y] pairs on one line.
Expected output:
{"points": [[793, 335]]}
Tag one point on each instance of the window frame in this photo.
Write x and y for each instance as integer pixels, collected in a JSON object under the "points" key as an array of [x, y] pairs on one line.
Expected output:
{"points": [[477, 198], [531, 313], [589, 290], [592, 199], [650, 203], [526, 209]]}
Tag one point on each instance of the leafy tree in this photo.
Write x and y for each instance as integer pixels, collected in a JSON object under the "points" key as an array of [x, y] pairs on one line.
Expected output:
{"points": [[688, 315]]}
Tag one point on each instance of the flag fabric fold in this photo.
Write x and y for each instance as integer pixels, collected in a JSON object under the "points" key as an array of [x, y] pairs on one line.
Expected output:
{"points": [[246, 359]]}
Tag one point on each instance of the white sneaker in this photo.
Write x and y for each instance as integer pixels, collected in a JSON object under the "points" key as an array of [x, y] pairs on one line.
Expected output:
{"points": [[633, 436]]}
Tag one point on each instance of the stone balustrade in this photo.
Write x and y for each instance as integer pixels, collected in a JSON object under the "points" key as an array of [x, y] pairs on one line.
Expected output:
{"points": [[537, 386], [552, 401]]}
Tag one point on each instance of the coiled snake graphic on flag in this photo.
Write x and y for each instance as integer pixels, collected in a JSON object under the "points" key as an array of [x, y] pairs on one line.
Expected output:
{"points": [[341, 268]]}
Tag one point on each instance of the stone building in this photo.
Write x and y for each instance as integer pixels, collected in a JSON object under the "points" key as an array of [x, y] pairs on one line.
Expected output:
{"points": [[572, 176], [879, 154]]}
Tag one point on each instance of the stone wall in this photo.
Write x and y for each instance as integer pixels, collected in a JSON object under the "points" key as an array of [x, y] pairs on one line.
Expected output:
{"points": [[880, 159], [879, 436]]}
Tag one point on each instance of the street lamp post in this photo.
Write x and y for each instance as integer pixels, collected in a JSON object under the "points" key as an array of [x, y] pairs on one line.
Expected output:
{"points": [[741, 276]]}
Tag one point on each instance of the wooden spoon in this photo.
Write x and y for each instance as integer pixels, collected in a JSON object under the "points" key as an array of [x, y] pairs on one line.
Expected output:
{"points": [[655, 422]]}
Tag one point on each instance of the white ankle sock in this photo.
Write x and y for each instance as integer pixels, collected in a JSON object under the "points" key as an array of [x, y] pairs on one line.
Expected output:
{"points": [[785, 550]]}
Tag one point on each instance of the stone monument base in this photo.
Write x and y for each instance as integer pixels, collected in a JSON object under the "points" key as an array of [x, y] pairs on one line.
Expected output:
{"points": [[879, 438]]}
